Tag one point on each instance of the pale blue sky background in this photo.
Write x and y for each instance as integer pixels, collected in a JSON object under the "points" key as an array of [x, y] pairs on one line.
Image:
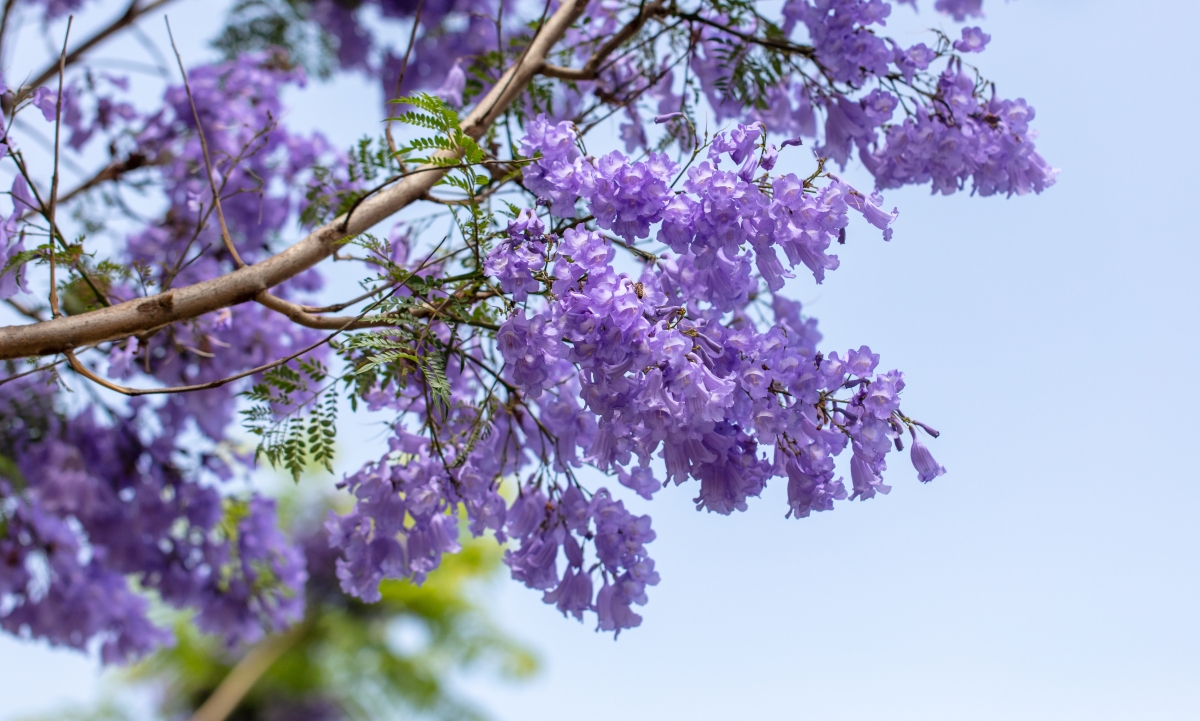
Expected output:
{"points": [[1053, 573]]}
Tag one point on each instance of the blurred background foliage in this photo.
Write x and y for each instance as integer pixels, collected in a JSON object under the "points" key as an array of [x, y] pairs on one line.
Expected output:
{"points": [[346, 660]]}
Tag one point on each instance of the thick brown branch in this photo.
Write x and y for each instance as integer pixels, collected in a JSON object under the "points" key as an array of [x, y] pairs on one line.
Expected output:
{"points": [[245, 284], [591, 68]]}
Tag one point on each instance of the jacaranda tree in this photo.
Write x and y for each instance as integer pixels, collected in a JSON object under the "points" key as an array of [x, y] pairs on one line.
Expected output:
{"points": [[528, 305]]}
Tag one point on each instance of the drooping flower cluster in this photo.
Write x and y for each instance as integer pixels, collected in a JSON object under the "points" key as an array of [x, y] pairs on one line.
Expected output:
{"points": [[625, 371], [963, 138]]}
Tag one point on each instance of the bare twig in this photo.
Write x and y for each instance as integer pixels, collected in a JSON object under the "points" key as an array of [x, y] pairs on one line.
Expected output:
{"points": [[113, 171], [212, 183], [62, 69], [30, 313], [302, 316], [788, 47], [346, 303], [31, 371], [243, 284], [412, 39]]}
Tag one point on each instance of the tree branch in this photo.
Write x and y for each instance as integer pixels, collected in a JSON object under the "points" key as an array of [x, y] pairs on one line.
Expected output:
{"points": [[130, 16], [300, 315], [242, 677], [591, 68], [807, 51], [245, 284]]}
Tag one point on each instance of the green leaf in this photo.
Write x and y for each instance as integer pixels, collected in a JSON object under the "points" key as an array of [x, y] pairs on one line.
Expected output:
{"points": [[435, 377]]}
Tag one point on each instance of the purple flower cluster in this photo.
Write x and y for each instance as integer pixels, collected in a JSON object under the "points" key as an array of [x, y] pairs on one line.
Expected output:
{"points": [[623, 371], [97, 504], [450, 31], [952, 131], [543, 526], [86, 506], [842, 36], [960, 9], [960, 138], [258, 163], [54, 9], [514, 261]]}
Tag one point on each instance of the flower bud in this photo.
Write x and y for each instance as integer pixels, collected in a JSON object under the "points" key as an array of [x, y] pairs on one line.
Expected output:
{"points": [[927, 468]]}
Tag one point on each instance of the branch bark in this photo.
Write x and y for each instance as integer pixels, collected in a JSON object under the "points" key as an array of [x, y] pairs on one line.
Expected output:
{"points": [[245, 284]]}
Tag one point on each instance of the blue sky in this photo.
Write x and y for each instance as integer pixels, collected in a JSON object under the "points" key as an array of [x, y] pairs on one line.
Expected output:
{"points": [[1052, 574]]}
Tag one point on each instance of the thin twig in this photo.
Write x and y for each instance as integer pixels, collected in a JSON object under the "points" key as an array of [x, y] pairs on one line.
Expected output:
{"points": [[212, 183], [591, 68], [62, 69], [8, 6], [412, 39], [806, 51], [31, 371], [27, 312]]}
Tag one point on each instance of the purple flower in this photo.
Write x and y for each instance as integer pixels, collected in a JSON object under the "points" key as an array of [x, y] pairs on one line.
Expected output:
{"points": [[862, 362], [974, 40], [573, 594], [912, 59], [960, 9], [46, 100], [866, 481], [641, 480], [883, 395], [452, 87], [871, 208], [927, 468]]}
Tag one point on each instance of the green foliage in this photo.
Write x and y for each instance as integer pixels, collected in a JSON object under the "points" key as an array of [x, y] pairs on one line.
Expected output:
{"points": [[294, 415], [398, 356], [258, 25], [329, 196], [458, 147], [386, 660]]}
